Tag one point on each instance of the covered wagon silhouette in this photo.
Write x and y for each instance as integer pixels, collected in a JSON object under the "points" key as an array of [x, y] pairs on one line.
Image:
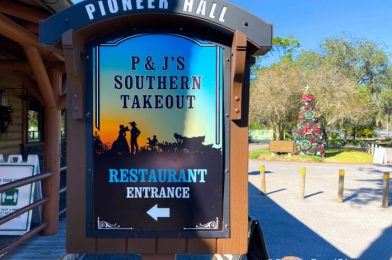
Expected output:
{"points": [[189, 144]]}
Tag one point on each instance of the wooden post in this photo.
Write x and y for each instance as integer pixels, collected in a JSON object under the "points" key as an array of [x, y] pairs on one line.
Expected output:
{"points": [[385, 198], [303, 175], [262, 177], [238, 243], [51, 136], [341, 185], [76, 149], [52, 164]]}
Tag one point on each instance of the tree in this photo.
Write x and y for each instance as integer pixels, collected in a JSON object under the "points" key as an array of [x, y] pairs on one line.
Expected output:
{"points": [[361, 60], [284, 49], [308, 137], [340, 102], [386, 96], [275, 95], [352, 79]]}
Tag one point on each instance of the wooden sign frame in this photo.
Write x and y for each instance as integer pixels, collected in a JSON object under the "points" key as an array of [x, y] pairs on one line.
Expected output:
{"points": [[243, 44]]}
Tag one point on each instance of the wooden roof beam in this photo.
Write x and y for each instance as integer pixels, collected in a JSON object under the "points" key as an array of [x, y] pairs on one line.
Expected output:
{"points": [[18, 33], [23, 12], [41, 76], [14, 65], [60, 66], [31, 27], [56, 79], [52, 54]]}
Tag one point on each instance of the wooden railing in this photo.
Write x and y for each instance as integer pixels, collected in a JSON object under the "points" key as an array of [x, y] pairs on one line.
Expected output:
{"points": [[25, 237], [33, 231], [35, 136]]}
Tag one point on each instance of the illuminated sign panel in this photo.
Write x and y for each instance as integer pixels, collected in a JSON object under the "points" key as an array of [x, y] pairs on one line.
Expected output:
{"points": [[156, 137]]}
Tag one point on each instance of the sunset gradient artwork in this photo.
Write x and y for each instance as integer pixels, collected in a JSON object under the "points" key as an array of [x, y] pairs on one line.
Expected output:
{"points": [[124, 71]]}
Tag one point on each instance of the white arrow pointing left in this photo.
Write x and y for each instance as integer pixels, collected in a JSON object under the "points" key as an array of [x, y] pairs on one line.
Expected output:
{"points": [[156, 212]]}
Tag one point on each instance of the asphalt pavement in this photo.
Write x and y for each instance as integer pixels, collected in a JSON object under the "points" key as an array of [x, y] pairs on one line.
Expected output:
{"points": [[318, 226]]}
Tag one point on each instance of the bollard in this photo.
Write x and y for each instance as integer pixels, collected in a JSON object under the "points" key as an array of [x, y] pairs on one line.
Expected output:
{"points": [[262, 177], [385, 199], [341, 185], [303, 175]]}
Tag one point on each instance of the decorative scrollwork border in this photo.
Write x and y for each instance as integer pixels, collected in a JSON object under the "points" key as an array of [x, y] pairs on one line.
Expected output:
{"points": [[212, 225], [104, 225]]}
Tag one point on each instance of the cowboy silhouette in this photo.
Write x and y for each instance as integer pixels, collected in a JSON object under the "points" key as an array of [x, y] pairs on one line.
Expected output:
{"points": [[134, 135], [154, 141]]}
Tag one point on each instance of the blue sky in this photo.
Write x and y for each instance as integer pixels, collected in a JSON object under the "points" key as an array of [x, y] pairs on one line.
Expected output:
{"points": [[312, 21]]}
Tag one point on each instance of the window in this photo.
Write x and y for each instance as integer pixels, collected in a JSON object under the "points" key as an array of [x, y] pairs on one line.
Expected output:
{"points": [[35, 122], [63, 125]]}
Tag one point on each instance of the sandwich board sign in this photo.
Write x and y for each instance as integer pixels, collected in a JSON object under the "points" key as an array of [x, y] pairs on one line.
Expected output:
{"points": [[10, 201], [158, 123]]}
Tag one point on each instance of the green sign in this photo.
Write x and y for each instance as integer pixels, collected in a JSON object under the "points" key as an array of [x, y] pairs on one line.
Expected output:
{"points": [[9, 198]]}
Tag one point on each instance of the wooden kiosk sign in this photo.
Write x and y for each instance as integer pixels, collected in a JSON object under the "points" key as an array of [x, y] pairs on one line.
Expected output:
{"points": [[158, 94]]}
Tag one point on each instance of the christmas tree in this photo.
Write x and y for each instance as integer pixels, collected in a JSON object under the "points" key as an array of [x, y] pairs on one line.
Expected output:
{"points": [[308, 138]]}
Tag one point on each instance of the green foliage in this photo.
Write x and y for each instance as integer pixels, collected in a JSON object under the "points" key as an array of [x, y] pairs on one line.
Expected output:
{"points": [[32, 118], [333, 155], [351, 78], [347, 156], [288, 136], [259, 153], [256, 126], [339, 143], [285, 48], [334, 135], [366, 133], [361, 60]]}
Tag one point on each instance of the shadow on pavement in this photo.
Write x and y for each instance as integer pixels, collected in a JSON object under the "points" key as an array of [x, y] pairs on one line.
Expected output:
{"points": [[364, 196], [384, 168], [275, 191], [382, 246], [258, 173], [313, 194], [351, 197], [285, 235]]}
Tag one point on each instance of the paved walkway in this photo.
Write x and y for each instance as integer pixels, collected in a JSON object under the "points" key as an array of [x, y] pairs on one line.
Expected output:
{"points": [[318, 227]]}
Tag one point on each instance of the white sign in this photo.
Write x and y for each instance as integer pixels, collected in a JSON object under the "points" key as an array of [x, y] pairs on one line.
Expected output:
{"points": [[380, 156], [17, 198]]}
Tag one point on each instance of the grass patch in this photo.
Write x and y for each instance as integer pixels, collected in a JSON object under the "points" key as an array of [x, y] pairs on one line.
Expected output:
{"points": [[259, 153], [333, 155], [347, 156]]}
